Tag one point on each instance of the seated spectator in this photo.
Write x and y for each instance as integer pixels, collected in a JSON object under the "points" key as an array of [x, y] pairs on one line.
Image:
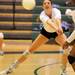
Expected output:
{"points": [[56, 5], [67, 26], [70, 2]]}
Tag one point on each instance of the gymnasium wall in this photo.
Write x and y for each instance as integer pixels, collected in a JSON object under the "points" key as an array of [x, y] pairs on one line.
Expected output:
{"points": [[18, 23]]}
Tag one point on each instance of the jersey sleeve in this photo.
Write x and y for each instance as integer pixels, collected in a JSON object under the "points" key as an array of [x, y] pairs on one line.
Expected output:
{"points": [[57, 13], [43, 17]]}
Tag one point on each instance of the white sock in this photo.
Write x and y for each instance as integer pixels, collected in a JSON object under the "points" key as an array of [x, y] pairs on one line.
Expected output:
{"points": [[26, 52]]}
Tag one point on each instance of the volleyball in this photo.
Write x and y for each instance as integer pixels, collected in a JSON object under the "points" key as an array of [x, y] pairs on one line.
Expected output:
{"points": [[28, 4]]}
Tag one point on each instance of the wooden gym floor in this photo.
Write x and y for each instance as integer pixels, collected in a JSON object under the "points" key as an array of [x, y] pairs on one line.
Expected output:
{"points": [[45, 61]]}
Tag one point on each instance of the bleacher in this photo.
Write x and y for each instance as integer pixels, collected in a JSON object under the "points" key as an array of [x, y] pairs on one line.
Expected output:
{"points": [[18, 23]]}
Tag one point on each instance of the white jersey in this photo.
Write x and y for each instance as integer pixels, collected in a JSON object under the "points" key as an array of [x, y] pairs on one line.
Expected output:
{"points": [[71, 13], [43, 17]]}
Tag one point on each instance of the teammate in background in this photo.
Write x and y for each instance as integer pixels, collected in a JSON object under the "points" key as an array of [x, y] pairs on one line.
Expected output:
{"points": [[71, 56], [70, 2], [1, 43], [71, 38], [51, 19]]}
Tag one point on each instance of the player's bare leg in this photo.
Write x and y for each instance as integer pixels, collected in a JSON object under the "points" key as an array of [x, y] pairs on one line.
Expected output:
{"points": [[73, 66], [61, 40], [64, 62], [37, 43], [1, 43], [72, 59]]}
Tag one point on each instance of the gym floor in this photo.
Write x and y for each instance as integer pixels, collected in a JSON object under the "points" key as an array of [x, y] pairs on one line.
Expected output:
{"points": [[46, 60]]}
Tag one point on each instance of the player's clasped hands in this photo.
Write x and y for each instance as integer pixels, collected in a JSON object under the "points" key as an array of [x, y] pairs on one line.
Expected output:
{"points": [[59, 31]]}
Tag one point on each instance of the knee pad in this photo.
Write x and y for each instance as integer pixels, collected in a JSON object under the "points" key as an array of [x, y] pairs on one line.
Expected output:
{"points": [[71, 59]]}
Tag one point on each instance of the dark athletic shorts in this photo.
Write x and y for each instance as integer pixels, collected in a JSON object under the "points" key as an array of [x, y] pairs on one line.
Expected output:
{"points": [[48, 34]]}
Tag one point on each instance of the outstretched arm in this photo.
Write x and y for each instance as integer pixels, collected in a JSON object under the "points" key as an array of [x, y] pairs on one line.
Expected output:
{"points": [[56, 25], [71, 37], [69, 40]]}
